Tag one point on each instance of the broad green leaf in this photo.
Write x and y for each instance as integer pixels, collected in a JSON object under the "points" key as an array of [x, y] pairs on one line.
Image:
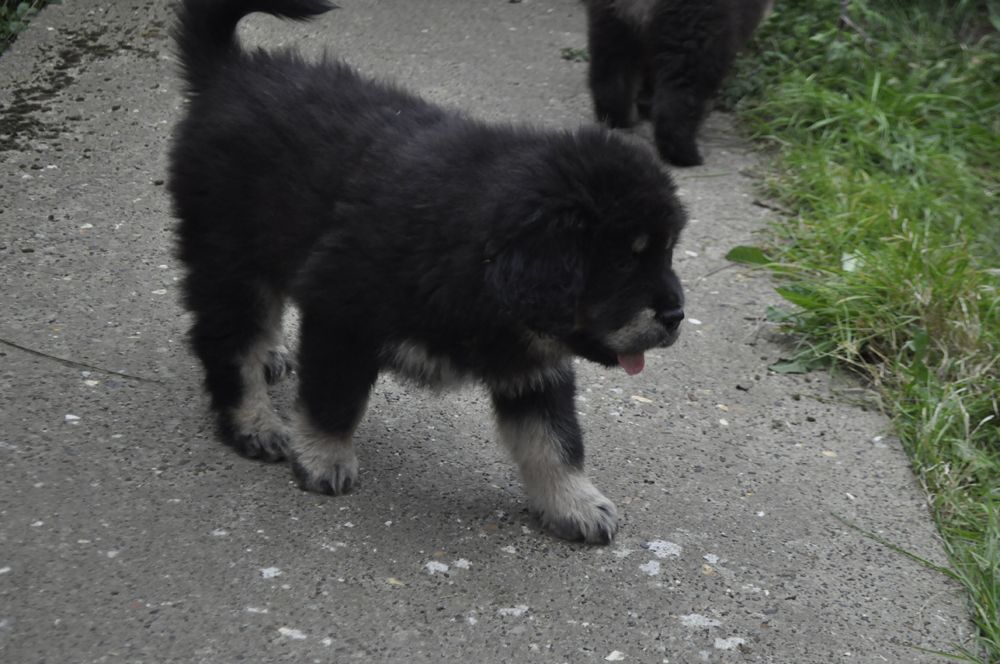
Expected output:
{"points": [[748, 255]]}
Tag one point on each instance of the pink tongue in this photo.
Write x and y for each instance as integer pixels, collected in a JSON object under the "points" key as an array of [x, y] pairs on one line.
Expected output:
{"points": [[632, 364]]}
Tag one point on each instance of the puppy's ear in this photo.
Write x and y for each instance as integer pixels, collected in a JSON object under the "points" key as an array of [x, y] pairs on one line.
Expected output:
{"points": [[537, 274]]}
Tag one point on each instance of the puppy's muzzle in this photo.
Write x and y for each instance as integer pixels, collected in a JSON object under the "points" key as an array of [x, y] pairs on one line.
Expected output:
{"points": [[648, 329], [670, 319]]}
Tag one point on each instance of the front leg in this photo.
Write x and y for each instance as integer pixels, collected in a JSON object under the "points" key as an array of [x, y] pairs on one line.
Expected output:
{"points": [[615, 65], [338, 368], [539, 428], [677, 114]]}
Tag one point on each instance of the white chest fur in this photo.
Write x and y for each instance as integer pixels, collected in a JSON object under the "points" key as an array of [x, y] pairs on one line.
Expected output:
{"points": [[412, 360]]}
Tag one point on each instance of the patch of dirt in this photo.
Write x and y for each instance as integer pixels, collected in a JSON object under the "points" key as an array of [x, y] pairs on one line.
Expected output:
{"points": [[24, 119]]}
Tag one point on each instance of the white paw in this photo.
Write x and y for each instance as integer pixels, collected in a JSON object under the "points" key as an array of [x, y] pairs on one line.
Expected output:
{"points": [[321, 462], [266, 444], [572, 508], [334, 473]]}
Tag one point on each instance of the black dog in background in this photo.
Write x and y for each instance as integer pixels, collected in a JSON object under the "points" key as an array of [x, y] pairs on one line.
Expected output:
{"points": [[413, 239], [671, 55]]}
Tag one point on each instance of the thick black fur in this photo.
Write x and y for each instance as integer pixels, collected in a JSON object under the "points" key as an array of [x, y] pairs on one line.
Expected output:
{"points": [[412, 238], [666, 59]]}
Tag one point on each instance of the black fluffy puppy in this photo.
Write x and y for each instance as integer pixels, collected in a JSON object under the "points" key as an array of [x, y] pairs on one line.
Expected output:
{"points": [[412, 239], [671, 55]]}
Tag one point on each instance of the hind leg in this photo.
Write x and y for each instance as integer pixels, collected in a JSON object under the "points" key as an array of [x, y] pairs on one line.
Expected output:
{"points": [[236, 335]]}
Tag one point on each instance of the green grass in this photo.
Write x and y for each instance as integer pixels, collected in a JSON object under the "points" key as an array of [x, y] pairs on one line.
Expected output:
{"points": [[886, 134], [14, 17]]}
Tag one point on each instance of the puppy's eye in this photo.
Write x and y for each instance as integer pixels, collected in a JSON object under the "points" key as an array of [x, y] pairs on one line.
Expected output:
{"points": [[640, 243]]}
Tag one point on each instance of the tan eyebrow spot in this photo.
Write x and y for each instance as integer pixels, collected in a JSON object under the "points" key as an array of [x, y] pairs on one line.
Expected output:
{"points": [[640, 243]]}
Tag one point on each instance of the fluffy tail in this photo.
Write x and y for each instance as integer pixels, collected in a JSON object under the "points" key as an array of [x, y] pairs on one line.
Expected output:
{"points": [[206, 31]]}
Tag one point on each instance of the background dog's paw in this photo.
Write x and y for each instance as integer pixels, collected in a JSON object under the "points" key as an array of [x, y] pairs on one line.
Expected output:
{"points": [[679, 151], [334, 472], [278, 364], [578, 511], [265, 445]]}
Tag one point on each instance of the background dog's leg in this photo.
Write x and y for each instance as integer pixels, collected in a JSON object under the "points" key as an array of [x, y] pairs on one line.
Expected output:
{"points": [[644, 98], [236, 331], [540, 429], [692, 48], [336, 372], [615, 66], [677, 114]]}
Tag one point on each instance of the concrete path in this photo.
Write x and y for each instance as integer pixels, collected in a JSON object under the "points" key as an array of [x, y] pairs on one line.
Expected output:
{"points": [[128, 534]]}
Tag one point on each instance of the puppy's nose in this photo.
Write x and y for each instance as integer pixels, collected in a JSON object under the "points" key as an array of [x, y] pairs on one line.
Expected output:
{"points": [[670, 318]]}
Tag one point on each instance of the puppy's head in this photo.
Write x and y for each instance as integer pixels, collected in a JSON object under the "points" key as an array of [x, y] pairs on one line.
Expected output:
{"points": [[588, 260]]}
